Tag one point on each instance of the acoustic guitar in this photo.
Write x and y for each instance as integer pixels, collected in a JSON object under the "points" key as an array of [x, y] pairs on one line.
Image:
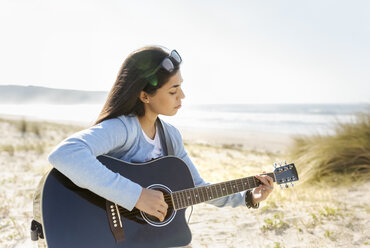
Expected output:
{"points": [[75, 217]]}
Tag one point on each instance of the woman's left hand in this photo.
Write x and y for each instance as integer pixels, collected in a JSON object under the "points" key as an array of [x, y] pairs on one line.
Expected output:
{"points": [[262, 192]]}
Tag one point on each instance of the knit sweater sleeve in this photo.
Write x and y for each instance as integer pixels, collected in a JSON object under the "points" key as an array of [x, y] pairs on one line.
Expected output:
{"points": [[75, 157]]}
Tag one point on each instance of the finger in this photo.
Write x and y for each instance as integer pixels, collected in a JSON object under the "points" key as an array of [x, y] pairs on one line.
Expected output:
{"points": [[163, 210], [270, 180], [262, 179], [258, 190], [161, 216], [157, 214], [267, 180], [160, 195], [164, 204]]}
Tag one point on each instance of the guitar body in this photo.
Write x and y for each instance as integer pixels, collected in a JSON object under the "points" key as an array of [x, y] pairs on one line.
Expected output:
{"points": [[76, 217]]}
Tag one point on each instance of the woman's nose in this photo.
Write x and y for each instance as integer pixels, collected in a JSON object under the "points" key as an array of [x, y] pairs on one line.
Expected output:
{"points": [[182, 95]]}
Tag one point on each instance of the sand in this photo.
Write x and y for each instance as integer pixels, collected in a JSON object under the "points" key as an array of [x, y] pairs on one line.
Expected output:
{"points": [[303, 216]]}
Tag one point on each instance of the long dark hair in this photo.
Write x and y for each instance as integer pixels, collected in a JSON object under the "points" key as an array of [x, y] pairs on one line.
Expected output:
{"points": [[139, 72]]}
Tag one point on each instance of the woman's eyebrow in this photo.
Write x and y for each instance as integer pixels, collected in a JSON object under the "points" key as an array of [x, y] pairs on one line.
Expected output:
{"points": [[175, 85]]}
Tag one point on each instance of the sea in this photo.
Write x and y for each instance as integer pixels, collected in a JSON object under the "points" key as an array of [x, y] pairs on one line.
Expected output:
{"points": [[270, 118]]}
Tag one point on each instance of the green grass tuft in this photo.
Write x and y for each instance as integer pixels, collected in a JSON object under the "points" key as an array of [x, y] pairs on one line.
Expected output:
{"points": [[332, 158]]}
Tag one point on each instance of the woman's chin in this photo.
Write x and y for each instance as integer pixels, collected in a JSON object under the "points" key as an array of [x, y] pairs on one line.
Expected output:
{"points": [[174, 112]]}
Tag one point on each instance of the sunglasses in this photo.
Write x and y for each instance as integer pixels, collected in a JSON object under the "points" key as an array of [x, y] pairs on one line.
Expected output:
{"points": [[167, 63]]}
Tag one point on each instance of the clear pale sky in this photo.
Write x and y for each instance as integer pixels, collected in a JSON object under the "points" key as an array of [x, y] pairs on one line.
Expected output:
{"points": [[233, 51]]}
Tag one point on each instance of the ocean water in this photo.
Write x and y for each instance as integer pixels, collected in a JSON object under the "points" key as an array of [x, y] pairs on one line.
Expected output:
{"points": [[269, 118]]}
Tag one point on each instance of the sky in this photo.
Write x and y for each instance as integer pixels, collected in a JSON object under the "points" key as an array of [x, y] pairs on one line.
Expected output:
{"points": [[233, 51]]}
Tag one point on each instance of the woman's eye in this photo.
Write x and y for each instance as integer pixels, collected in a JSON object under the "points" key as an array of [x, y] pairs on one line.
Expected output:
{"points": [[173, 93]]}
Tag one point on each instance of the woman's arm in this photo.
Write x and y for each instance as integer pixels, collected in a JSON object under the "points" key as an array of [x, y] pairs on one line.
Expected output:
{"points": [[75, 157]]}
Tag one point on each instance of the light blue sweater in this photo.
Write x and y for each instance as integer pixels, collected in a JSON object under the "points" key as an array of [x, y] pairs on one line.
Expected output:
{"points": [[121, 138]]}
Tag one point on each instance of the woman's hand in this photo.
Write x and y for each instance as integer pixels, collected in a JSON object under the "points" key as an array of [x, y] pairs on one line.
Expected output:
{"points": [[261, 192], [152, 202]]}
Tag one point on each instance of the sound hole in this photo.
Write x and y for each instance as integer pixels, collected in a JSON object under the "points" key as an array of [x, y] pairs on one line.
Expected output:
{"points": [[170, 211]]}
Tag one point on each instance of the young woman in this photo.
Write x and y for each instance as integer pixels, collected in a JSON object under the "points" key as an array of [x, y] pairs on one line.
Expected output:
{"points": [[148, 84]]}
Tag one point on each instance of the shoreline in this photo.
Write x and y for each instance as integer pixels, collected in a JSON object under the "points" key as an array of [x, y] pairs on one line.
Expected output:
{"points": [[259, 141], [249, 140]]}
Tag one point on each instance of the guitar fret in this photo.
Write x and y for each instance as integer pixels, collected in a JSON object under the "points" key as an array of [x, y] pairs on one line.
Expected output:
{"points": [[235, 182], [213, 192], [179, 199], [188, 197], [197, 196], [249, 185], [237, 185], [219, 191], [203, 195], [193, 197], [255, 182], [245, 182], [250, 182], [199, 192], [208, 196], [233, 186], [244, 185], [188, 200], [211, 189], [223, 189], [230, 189], [184, 198], [174, 198], [181, 205]]}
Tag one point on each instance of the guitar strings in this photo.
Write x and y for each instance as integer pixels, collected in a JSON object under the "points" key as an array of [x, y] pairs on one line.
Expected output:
{"points": [[168, 198], [239, 183]]}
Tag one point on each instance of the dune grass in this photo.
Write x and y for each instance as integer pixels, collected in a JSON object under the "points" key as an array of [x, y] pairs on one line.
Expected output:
{"points": [[341, 158]]}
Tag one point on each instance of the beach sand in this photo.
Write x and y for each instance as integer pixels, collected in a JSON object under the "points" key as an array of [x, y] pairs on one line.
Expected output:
{"points": [[303, 216]]}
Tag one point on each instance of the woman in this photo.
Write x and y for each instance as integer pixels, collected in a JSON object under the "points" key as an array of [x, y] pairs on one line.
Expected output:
{"points": [[148, 84]]}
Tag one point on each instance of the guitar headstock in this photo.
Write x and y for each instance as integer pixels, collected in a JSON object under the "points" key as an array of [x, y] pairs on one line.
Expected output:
{"points": [[285, 174]]}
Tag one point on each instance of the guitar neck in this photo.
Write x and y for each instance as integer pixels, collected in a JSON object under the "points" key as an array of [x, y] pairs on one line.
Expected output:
{"points": [[188, 197]]}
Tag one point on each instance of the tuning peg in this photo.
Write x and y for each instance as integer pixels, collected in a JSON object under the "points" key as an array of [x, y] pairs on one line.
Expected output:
{"points": [[281, 164], [275, 165], [292, 184], [281, 186], [285, 162], [286, 185]]}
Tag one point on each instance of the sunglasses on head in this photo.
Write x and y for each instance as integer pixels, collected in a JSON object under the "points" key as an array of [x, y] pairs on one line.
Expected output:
{"points": [[167, 63]]}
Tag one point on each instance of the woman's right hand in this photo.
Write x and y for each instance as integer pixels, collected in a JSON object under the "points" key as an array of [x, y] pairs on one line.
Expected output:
{"points": [[152, 202]]}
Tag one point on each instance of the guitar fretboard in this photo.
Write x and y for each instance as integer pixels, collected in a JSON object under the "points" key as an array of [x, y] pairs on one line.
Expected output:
{"points": [[188, 197]]}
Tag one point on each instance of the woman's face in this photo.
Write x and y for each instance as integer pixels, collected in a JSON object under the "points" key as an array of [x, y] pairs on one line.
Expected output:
{"points": [[167, 99]]}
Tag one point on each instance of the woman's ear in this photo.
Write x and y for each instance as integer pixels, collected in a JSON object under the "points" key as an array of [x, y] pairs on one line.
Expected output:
{"points": [[144, 97]]}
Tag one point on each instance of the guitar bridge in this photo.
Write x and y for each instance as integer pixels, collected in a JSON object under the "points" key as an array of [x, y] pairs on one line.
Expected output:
{"points": [[115, 222]]}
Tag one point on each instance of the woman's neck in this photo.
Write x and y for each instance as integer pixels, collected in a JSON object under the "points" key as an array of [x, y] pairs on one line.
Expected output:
{"points": [[147, 123]]}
